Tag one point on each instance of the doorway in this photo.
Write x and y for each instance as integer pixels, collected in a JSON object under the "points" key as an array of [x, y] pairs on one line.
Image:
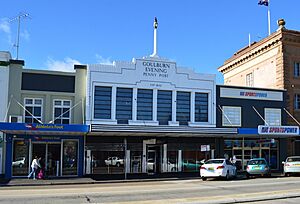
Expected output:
{"points": [[153, 159], [50, 154]]}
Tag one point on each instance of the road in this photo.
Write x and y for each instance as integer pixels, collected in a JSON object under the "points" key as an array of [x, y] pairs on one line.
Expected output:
{"points": [[261, 190]]}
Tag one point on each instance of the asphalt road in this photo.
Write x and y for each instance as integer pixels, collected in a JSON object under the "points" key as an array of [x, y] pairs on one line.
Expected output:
{"points": [[260, 190]]}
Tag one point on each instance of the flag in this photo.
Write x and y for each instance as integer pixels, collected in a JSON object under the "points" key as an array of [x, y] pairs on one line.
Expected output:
{"points": [[263, 2]]}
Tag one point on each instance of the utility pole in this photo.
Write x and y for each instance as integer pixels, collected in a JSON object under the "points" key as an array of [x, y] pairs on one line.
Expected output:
{"points": [[18, 18]]}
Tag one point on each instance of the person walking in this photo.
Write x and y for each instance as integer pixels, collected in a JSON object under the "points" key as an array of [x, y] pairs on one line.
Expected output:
{"points": [[35, 164]]}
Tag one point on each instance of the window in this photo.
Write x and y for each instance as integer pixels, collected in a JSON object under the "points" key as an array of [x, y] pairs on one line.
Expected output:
{"points": [[231, 116], [62, 111], [124, 105], [183, 107], [164, 107], [297, 101], [201, 107], [144, 104], [273, 116], [102, 102], [296, 69], [34, 108], [249, 79]]}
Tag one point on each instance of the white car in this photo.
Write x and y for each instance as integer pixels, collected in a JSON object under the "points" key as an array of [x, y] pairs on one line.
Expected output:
{"points": [[291, 165], [114, 161], [215, 168], [20, 162]]}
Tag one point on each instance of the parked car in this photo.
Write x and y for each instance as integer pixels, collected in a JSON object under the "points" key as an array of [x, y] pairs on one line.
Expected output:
{"points": [[214, 168], [114, 161], [258, 166], [291, 165], [20, 162]]}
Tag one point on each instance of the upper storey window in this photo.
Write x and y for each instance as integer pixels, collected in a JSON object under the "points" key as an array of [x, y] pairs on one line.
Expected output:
{"points": [[102, 102], [249, 80], [164, 107], [33, 113], [201, 107], [124, 105], [144, 104], [296, 69], [183, 107]]}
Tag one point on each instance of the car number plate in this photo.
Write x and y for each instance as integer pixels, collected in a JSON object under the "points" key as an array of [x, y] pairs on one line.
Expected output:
{"points": [[256, 167], [211, 168]]}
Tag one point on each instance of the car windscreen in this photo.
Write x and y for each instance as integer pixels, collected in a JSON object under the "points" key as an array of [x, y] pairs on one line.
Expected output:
{"points": [[256, 162], [219, 161], [295, 159]]}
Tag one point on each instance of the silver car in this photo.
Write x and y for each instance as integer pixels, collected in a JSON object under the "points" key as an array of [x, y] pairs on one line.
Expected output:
{"points": [[291, 165]]}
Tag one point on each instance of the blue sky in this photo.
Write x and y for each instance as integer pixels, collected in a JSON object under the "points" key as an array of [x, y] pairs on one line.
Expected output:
{"points": [[195, 33]]}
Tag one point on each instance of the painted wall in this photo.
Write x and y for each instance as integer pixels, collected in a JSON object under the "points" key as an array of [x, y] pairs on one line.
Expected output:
{"points": [[250, 119], [148, 73]]}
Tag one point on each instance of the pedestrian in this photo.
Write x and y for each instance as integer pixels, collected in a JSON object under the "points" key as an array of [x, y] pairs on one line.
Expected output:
{"points": [[35, 164]]}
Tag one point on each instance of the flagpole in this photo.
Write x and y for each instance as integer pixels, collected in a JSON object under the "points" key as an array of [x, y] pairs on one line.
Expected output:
{"points": [[269, 18]]}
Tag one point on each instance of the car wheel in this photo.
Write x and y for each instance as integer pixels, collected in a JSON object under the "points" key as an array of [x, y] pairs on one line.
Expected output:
{"points": [[173, 169], [248, 175], [204, 179], [286, 174], [118, 164], [20, 165]]}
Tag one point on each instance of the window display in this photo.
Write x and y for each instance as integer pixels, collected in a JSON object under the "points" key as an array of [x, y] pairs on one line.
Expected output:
{"points": [[20, 158], [70, 155]]}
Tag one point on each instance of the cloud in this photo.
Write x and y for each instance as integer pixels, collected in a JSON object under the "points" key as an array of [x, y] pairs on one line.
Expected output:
{"points": [[5, 26], [102, 60], [66, 65], [25, 35]]}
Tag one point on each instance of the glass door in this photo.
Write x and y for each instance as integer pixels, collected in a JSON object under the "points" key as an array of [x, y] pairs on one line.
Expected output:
{"points": [[53, 159], [39, 151]]}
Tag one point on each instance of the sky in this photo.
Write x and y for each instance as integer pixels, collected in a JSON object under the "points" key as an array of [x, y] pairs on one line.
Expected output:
{"points": [[198, 34]]}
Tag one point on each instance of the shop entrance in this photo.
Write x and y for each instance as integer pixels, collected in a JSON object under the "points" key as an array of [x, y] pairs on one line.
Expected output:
{"points": [[50, 154], [153, 159]]}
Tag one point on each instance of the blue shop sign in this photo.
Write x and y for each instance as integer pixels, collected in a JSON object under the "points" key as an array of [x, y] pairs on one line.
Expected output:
{"points": [[43, 127]]}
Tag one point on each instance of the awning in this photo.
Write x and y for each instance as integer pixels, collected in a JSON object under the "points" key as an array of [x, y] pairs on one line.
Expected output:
{"points": [[43, 129], [159, 131]]}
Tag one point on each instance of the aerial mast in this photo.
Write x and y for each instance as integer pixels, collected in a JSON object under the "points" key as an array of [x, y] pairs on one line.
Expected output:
{"points": [[18, 18]]}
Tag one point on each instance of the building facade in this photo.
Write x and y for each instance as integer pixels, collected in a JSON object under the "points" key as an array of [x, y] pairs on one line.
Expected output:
{"points": [[43, 118], [272, 62], [150, 117], [251, 110], [4, 80]]}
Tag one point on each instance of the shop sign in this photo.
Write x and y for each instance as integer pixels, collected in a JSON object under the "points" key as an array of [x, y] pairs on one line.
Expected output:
{"points": [[251, 94], [44, 127], [278, 130], [205, 148]]}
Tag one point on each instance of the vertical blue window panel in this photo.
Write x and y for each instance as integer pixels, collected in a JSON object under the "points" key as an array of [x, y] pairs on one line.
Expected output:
{"points": [[164, 107], [102, 102], [201, 107], [144, 104], [124, 105], [183, 107]]}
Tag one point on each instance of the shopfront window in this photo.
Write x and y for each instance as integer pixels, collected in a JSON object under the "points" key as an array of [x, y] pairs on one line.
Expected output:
{"points": [[70, 158], [252, 149], [108, 158], [20, 158]]}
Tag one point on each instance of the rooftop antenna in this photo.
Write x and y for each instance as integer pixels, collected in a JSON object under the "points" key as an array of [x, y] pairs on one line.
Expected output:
{"points": [[18, 18], [155, 25]]}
